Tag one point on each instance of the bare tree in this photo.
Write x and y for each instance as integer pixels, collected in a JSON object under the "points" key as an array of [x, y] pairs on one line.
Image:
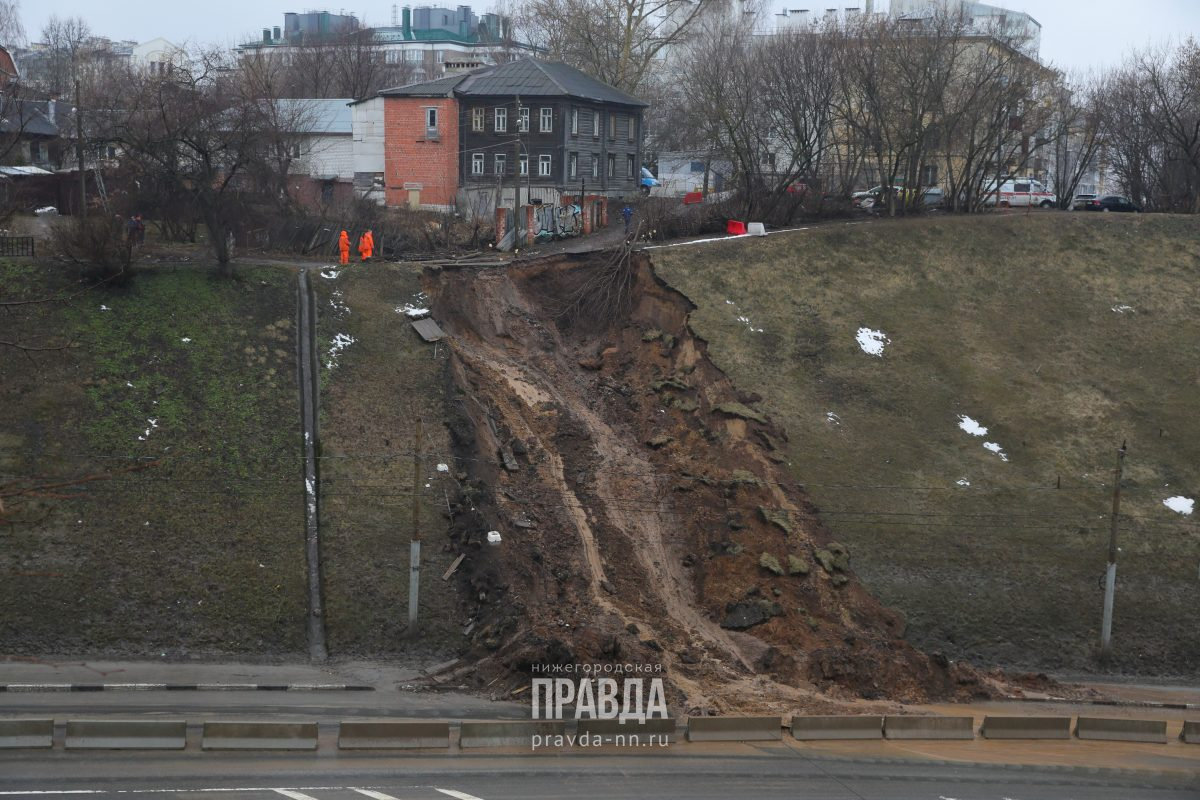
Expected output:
{"points": [[616, 41], [67, 52], [12, 32], [1075, 134]]}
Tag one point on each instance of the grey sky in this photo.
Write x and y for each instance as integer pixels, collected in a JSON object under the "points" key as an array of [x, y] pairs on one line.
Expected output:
{"points": [[1076, 34]]}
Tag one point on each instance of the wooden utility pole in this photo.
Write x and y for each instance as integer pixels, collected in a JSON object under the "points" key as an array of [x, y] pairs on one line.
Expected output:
{"points": [[414, 550], [79, 151], [517, 173], [1110, 576]]}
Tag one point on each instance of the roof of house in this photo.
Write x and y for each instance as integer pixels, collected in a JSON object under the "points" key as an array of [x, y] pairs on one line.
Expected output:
{"points": [[317, 116], [528, 77], [27, 117]]}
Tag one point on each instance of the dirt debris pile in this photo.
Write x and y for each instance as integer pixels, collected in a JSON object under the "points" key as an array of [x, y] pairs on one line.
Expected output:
{"points": [[645, 512]]}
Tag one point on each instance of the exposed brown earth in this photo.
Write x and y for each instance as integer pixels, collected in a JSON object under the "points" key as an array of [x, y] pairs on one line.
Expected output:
{"points": [[644, 512]]}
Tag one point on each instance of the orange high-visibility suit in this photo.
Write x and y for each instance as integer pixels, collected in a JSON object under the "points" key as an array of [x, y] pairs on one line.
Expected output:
{"points": [[344, 247], [366, 245]]}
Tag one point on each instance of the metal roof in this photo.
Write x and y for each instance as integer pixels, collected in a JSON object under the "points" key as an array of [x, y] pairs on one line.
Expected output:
{"points": [[316, 116], [429, 330], [533, 77], [528, 77], [27, 118]]}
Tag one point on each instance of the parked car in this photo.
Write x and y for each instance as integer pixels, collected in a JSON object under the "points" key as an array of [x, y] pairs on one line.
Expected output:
{"points": [[1019, 192], [930, 197], [1080, 200], [1112, 202], [648, 181]]}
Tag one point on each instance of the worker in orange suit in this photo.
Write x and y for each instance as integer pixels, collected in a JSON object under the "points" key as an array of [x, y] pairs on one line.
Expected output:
{"points": [[366, 245], [344, 247]]}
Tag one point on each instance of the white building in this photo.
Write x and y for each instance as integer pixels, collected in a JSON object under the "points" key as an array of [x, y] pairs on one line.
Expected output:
{"points": [[367, 135], [984, 18]]}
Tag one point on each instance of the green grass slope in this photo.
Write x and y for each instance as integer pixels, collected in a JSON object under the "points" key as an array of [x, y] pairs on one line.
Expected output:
{"points": [[201, 553], [1063, 335]]}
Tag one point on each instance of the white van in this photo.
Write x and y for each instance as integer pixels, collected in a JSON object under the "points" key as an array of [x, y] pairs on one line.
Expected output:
{"points": [[1020, 192]]}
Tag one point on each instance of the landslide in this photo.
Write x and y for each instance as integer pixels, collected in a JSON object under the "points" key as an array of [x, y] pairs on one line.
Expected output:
{"points": [[644, 511]]}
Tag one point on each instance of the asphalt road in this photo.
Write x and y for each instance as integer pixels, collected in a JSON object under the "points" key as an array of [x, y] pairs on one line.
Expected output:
{"points": [[772, 772]]}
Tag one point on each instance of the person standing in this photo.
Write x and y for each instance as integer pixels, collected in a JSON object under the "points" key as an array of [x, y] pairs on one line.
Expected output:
{"points": [[627, 213], [366, 244], [344, 248]]}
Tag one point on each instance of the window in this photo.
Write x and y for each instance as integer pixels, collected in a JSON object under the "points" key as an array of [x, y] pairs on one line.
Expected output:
{"points": [[523, 164], [501, 120], [412, 55], [595, 124], [697, 166], [440, 56], [632, 128], [500, 163], [523, 120], [478, 115], [595, 166], [574, 121], [1021, 187], [612, 126], [431, 121], [629, 166], [929, 175], [574, 165], [544, 165], [477, 163], [612, 165], [547, 120]]}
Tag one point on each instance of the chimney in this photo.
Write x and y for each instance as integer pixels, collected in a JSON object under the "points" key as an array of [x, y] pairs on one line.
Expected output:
{"points": [[406, 15], [50, 110]]}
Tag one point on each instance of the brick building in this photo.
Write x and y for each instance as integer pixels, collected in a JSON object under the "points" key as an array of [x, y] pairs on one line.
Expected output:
{"points": [[543, 128]]}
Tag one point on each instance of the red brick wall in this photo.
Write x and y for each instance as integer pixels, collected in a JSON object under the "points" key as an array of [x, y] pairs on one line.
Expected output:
{"points": [[408, 157]]}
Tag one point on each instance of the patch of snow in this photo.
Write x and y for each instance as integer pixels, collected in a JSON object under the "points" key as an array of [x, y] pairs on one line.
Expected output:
{"points": [[130, 385], [340, 343], [493, 537], [151, 424], [329, 273], [443, 467], [105, 308], [971, 426], [995, 448], [1180, 504], [308, 486], [962, 482], [832, 418], [728, 302], [337, 304], [1123, 309], [412, 312], [46, 210], [186, 340], [871, 341]]}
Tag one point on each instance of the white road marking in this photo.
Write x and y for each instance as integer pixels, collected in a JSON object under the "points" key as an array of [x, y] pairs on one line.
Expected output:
{"points": [[374, 794], [294, 795], [459, 795]]}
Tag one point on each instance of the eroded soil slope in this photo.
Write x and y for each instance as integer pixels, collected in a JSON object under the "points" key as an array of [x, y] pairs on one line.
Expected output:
{"points": [[644, 511]]}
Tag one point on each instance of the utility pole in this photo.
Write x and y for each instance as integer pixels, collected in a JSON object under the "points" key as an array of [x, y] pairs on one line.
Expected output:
{"points": [[79, 151], [517, 173], [1110, 577], [414, 549]]}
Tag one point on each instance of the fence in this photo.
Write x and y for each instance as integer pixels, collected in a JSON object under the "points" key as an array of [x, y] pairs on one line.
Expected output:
{"points": [[11, 246]]}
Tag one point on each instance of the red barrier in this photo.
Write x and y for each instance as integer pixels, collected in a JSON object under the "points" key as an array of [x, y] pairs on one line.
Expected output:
{"points": [[693, 197], [735, 228]]}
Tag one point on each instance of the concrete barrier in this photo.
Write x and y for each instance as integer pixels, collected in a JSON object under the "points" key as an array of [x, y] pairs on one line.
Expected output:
{"points": [[126, 734], [392, 735], [1026, 728], [636, 734], [807, 728], [260, 736], [26, 733], [509, 733], [1121, 730], [1191, 732], [929, 727], [735, 729]]}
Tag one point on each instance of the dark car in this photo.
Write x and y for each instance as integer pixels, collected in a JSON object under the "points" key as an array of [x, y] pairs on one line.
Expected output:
{"points": [[1112, 202]]}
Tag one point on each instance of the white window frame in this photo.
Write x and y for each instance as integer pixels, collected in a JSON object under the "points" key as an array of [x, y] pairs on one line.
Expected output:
{"points": [[545, 164], [629, 165], [478, 119], [523, 119], [500, 120], [595, 165], [573, 162], [612, 165], [523, 164], [595, 124], [574, 121], [546, 120], [431, 119], [477, 163], [499, 163]]}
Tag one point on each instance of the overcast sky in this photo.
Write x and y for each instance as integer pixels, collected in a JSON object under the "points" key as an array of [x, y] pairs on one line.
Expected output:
{"points": [[1076, 34]]}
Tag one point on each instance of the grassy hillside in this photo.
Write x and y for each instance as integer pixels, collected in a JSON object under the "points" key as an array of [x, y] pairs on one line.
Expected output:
{"points": [[201, 552], [378, 376], [1063, 335]]}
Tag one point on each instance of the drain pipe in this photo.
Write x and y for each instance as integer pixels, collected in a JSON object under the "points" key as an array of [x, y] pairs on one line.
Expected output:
{"points": [[414, 548], [306, 368]]}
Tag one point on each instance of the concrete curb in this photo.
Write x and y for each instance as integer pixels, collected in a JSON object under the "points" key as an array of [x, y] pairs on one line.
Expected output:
{"points": [[1110, 703], [184, 687]]}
